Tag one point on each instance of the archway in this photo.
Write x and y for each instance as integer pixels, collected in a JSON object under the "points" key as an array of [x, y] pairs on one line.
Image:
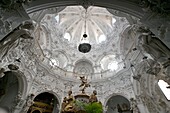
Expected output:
{"points": [[44, 103], [83, 66], [118, 104], [36, 111], [9, 90]]}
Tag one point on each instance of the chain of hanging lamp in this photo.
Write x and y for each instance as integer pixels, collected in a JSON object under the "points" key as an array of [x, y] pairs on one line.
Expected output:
{"points": [[85, 46], [85, 35]]}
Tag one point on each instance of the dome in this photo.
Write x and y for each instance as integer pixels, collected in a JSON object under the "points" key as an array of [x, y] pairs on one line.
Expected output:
{"points": [[97, 22], [126, 70], [63, 31]]}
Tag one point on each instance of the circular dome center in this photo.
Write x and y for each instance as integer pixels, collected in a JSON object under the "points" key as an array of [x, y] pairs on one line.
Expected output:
{"points": [[84, 14]]}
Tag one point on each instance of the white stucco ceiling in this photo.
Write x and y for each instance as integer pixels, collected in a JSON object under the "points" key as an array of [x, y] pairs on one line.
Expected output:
{"points": [[61, 32], [95, 21]]}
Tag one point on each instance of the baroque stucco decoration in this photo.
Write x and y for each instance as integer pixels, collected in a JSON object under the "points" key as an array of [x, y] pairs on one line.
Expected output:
{"points": [[40, 74]]}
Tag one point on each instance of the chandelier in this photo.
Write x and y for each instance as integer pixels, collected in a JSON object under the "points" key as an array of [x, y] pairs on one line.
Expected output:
{"points": [[84, 46]]}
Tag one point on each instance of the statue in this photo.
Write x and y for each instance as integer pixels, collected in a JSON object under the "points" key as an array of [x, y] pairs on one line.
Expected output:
{"points": [[11, 40], [69, 103], [64, 104], [154, 69], [153, 45], [79, 102], [156, 48], [84, 84], [70, 96], [93, 97]]}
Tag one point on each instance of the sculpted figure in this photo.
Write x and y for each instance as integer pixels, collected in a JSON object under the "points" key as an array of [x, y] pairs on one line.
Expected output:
{"points": [[154, 70], [93, 97], [70, 106], [10, 41], [83, 84], [64, 104], [154, 46]]}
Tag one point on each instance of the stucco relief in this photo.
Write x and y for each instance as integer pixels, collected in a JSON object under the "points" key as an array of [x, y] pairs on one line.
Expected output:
{"points": [[148, 45], [147, 93], [111, 87]]}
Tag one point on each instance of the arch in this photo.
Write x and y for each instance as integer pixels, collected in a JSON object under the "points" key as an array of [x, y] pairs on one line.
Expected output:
{"points": [[123, 37], [118, 103], [22, 83], [102, 56], [42, 33], [18, 87], [62, 52], [51, 101], [115, 94], [49, 91], [124, 6], [83, 66], [36, 111], [85, 60]]}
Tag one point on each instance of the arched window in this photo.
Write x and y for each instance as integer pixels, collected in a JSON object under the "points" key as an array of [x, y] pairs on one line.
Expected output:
{"points": [[102, 38], [113, 20], [113, 65], [54, 62], [57, 18], [67, 36], [163, 86], [109, 62]]}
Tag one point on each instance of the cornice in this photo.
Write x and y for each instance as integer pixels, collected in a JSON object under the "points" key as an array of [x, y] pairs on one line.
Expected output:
{"points": [[125, 6]]}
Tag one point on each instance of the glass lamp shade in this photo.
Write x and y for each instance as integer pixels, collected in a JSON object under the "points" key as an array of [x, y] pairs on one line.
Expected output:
{"points": [[84, 47]]}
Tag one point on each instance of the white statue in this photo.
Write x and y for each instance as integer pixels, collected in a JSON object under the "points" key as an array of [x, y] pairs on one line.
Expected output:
{"points": [[153, 45]]}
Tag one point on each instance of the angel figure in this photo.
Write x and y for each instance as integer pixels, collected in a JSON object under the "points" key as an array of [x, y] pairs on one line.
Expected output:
{"points": [[83, 84]]}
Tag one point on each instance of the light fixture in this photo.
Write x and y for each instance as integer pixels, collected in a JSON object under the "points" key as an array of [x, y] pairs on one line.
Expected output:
{"points": [[84, 46]]}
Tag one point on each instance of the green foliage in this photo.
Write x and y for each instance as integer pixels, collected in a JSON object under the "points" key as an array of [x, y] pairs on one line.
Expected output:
{"points": [[80, 105], [94, 107]]}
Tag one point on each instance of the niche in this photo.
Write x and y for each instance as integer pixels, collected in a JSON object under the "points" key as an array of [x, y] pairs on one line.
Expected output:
{"points": [[44, 103], [118, 104], [9, 88]]}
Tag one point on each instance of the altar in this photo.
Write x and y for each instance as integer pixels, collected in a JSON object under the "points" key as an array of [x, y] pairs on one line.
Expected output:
{"points": [[82, 103]]}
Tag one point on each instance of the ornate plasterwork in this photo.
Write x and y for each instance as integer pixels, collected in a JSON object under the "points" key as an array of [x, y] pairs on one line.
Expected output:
{"points": [[17, 14], [30, 65], [50, 43], [98, 21]]}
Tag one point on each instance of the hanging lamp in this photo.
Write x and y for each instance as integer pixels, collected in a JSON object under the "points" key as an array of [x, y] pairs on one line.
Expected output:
{"points": [[84, 46]]}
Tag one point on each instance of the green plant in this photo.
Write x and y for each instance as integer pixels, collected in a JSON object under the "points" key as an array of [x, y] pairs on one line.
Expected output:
{"points": [[94, 107]]}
